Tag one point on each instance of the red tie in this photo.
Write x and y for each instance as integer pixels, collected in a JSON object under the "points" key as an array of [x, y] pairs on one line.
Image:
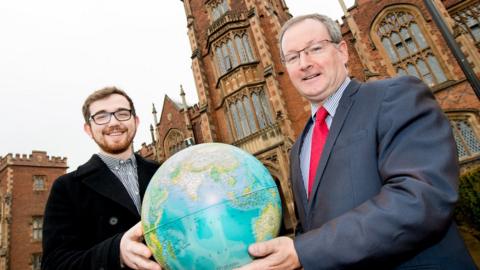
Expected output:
{"points": [[319, 136]]}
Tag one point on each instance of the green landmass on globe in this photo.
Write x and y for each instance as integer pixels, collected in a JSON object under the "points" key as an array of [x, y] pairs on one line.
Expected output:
{"points": [[206, 204]]}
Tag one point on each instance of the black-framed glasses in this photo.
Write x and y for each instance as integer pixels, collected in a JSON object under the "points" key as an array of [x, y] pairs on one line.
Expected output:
{"points": [[102, 118], [316, 48]]}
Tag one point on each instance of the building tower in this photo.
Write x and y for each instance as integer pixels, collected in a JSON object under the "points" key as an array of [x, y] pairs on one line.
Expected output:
{"points": [[245, 96], [25, 183]]}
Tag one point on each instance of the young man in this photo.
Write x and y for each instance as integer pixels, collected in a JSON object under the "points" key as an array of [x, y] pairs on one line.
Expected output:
{"points": [[374, 173], [92, 215]]}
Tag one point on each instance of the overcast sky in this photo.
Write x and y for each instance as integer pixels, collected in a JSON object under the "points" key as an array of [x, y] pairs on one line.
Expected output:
{"points": [[54, 53]]}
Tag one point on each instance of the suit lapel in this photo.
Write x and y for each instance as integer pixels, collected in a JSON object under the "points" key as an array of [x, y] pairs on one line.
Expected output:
{"points": [[297, 177], [341, 113], [101, 180]]}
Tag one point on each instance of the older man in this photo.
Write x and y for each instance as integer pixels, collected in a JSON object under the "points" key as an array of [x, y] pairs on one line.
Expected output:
{"points": [[374, 173]]}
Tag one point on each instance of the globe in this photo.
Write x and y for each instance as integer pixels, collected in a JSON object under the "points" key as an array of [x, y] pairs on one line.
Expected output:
{"points": [[206, 204]]}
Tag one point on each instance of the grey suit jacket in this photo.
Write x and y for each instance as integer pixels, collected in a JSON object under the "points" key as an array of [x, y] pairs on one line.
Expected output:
{"points": [[385, 186]]}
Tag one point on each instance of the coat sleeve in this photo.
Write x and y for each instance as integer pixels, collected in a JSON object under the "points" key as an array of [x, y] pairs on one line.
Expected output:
{"points": [[417, 163], [64, 244]]}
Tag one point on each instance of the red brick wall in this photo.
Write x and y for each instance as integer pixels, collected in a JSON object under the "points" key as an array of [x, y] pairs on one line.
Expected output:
{"points": [[25, 204]]}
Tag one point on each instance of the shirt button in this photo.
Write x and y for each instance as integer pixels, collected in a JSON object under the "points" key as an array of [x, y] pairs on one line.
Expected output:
{"points": [[113, 221]]}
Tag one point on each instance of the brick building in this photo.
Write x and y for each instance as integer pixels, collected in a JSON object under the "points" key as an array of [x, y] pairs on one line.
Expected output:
{"points": [[241, 86], [387, 38], [25, 182], [246, 98]]}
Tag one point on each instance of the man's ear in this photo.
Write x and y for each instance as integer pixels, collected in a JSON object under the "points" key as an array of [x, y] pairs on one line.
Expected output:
{"points": [[88, 129], [137, 121], [343, 48]]}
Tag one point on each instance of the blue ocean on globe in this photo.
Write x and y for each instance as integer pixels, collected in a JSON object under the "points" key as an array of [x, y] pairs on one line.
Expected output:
{"points": [[206, 204]]}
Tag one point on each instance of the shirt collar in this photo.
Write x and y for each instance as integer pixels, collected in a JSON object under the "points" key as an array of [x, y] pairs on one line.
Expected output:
{"points": [[331, 103], [112, 162]]}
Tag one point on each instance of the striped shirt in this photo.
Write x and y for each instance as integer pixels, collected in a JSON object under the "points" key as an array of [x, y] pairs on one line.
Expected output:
{"points": [[126, 171], [330, 104]]}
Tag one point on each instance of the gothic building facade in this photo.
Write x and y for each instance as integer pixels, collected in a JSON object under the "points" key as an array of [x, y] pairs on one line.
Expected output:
{"points": [[25, 183], [389, 38], [246, 98], [243, 99]]}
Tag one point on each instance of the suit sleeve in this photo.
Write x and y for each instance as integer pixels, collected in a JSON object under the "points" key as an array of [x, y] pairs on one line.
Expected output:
{"points": [[64, 245], [418, 167]]}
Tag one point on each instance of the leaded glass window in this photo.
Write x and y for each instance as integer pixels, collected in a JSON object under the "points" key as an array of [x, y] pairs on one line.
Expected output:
{"points": [[236, 121], [248, 109], [248, 49], [250, 113], [243, 118], [226, 57], [266, 107], [39, 182], [469, 19], [262, 121], [242, 52], [174, 142], [468, 143], [219, 54], [233, 52], [220, 9], [37, 225], [408, 49], [36, 261]]}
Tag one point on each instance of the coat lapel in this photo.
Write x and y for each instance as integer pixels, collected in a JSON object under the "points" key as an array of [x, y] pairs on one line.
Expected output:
{"points": [[341, 113], [101, 180]]}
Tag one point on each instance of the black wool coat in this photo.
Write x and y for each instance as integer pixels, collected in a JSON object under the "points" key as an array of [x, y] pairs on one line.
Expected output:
{"points": [[87, 212]]}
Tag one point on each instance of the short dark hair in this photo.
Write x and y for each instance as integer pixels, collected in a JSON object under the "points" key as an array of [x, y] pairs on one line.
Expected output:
{"points": [[332, 26], [101, 94]]}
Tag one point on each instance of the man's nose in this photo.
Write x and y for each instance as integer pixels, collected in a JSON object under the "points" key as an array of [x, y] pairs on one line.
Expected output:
{"points": [[304, 60], [113, 121]]}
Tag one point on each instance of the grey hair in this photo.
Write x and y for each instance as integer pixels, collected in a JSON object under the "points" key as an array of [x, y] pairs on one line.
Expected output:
{"points": [[332, 27]]}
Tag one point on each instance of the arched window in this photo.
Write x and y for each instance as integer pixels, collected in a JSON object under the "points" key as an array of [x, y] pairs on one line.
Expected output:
{"points": [[219, 54], [262, 121], [242, 52], [467, 139], [251, 119], [265, 107], [407, 47], [250, 114], [243, 118], [236, 121], [233, 52], [227, 55], [248, 49], [174, 142], [218, 9], [469, 19]]}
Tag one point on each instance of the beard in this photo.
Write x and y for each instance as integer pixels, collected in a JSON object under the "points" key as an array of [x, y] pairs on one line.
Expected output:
{"points": [[113, 147]]}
